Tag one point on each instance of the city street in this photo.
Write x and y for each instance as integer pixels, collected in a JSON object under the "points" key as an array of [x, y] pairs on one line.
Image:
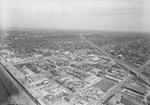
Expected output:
{"points": [[137, 72]]}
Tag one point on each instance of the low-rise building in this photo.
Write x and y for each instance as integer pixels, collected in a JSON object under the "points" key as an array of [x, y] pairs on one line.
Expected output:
{"points": [[92, 79], [135, 88], [36, 78], [128, 100]]}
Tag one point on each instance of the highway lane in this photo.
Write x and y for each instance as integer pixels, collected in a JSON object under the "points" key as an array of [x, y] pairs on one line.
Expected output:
{"points": [[128, 67], [137, 71]]}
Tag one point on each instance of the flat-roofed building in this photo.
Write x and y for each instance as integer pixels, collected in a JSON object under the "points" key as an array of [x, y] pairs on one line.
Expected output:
{"points": [[95, 71], [133, 94], [92, 79], [16, 60], [128, 100], [115, 99], [36, 78], [111, 77], [27, 71], [136, 88]]}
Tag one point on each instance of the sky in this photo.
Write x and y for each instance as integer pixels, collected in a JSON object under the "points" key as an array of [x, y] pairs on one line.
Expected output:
{"points": [[117, 15]]}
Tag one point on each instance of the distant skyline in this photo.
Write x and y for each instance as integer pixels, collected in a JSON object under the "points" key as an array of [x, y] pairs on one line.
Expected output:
{"points": [[116, 15]]}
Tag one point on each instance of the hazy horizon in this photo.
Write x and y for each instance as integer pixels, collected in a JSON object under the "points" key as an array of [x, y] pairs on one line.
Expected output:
{"points": [[115, 15]]}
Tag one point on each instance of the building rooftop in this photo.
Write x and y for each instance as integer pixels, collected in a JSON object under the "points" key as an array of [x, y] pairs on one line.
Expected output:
{"points": [[92, 78], [128, 100], [136, 88], [36, 78]]}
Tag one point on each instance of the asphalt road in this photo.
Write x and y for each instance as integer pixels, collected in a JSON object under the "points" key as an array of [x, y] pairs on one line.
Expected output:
{"points": [[128, 67], [136, 71], [117, 88]]}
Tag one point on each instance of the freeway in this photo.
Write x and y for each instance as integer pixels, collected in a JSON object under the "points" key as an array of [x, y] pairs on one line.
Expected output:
{"points": [[125, 65], [128, 67]]}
